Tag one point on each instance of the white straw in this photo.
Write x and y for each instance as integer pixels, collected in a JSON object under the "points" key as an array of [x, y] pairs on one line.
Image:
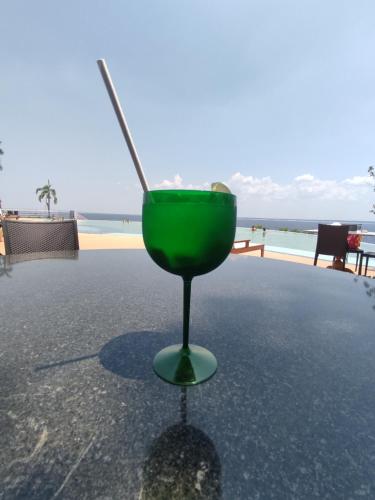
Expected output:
{"points": [[122, 121]]}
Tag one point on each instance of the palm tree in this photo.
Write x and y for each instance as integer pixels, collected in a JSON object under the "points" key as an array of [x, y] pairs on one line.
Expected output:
{"points": [[48, 193]]}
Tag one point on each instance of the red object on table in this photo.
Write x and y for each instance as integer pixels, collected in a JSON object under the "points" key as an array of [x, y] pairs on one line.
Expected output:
{"points": [[354, 241]]}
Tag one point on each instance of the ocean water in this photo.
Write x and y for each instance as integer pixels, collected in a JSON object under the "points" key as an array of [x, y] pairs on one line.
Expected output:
{"points": [[289, 242], [300, 224]]}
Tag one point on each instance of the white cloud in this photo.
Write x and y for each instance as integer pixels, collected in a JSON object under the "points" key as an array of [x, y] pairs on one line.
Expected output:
{"points": [[300, 188], [263, 187], [359, 181], [304, 177], [323, 189], [177, 183]]}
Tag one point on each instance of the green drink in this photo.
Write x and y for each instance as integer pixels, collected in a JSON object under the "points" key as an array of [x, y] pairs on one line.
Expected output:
{"points": [[187, 233]]}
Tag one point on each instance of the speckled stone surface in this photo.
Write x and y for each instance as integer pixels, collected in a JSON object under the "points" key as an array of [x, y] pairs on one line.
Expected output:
{"points": [[290, 413]]}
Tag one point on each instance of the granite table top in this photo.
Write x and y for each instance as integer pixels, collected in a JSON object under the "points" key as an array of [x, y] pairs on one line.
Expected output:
{"points": [[290, 413]]}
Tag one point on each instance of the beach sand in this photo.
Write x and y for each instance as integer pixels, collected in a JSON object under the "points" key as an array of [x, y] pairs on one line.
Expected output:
{"points": [[125, 241]]}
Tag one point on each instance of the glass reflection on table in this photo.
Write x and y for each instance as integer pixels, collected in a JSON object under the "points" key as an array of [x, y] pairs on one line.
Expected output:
{"points": [[182, 463]]}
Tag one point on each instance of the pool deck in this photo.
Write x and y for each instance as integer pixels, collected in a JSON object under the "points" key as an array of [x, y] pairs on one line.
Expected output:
{"points": [[125, 241]]}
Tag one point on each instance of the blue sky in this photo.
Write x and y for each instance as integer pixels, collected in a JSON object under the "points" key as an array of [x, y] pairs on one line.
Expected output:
{"points": [[277, 99]]}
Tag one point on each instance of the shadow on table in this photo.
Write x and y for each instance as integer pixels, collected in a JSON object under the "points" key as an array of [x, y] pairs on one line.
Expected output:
{"points": [[130, 355], [182, 463]]}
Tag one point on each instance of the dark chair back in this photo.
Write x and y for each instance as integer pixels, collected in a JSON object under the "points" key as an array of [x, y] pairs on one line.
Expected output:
{"points": [[355, 227], [332, 240], [27, 237]]}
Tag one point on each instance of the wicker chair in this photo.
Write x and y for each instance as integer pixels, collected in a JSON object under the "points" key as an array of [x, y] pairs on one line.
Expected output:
{"points": [[332, 240], [22, 237]]}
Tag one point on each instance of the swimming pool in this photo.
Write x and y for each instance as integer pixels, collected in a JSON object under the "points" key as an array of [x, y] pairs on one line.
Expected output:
{"points": [[110, 227], [288, 242]]}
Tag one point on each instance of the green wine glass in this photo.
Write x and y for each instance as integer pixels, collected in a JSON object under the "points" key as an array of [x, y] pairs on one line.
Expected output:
{"points": [[187, 233]]}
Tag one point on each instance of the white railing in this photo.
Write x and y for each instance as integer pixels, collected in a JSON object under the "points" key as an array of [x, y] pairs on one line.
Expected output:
{"points": [[20, 212]]}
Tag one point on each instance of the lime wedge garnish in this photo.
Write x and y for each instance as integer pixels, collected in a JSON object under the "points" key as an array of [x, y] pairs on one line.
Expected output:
{"points": [[220, 187]]}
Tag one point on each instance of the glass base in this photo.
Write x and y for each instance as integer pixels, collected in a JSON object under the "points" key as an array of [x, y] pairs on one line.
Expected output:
{"points": [[189, 366]]}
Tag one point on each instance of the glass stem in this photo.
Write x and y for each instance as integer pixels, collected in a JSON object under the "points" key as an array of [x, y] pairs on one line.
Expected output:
{"points": [[187, 292]]}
